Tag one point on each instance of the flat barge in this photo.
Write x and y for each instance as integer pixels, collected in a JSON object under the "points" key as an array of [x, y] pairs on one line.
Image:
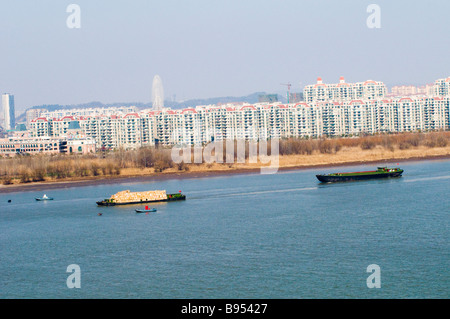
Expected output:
{"points": [[129, 198], [381, 172]]}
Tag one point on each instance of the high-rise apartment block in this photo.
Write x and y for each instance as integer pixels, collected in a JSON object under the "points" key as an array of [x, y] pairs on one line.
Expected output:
{"points": [[442, 87], [9, 116], [343, 91], [348, 110], [32, 114]]}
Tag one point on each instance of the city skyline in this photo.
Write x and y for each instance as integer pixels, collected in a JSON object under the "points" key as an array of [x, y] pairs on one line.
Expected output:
{"points": [[210, 49], [157, 90], [342, 109]]}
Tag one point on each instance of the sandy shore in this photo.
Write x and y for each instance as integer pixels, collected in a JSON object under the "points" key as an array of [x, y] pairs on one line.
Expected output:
{"points": [[377, 156]]}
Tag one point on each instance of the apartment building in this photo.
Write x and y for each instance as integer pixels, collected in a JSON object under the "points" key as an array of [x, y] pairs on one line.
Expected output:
{"points": [[96, 111], [253, 122], [442, 87], [343, 91], [32, 114], [9, 116], [339, 116]]}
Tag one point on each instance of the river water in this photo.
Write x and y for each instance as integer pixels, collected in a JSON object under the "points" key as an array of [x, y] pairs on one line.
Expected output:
{"points": [[240, 236]]}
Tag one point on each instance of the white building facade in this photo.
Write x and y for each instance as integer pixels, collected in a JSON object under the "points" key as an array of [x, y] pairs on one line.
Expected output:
{"points": [[341, 115], [343, 91], [9, 116]]}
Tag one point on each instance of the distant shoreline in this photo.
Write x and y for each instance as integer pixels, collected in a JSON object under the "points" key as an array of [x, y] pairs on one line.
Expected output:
{"points": [[91, 181]]}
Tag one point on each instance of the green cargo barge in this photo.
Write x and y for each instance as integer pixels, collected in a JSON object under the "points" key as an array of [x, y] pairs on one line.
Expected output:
{"points": [[381, 172]]}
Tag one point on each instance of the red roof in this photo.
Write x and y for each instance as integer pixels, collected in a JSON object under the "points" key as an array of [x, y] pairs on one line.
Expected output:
{"points": [[132, 114], [302, 103], [67, 117], [40, 118], [189, 110]]}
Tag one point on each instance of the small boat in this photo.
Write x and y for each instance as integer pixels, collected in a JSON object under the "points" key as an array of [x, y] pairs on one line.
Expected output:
{"points": [[381, 172], [146, 210], [45, 197]]}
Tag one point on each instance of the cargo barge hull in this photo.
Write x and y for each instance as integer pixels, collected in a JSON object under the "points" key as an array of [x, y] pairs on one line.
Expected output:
{"points": [[332, 179], [168, 198], [382, 172]]}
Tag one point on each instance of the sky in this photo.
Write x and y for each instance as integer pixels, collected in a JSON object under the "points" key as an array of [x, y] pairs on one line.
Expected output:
{"points": [[210, 48]]}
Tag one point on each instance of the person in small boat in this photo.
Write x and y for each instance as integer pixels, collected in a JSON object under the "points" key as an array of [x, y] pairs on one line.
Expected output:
{"points": [[45, 196]]}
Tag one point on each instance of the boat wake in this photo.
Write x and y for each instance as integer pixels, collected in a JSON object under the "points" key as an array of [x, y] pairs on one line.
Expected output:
{"points": [[273, 191], [244, 193], [426, 179]]}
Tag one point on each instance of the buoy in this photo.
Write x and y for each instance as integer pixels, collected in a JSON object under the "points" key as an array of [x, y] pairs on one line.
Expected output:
{"points": [[9, 201]]}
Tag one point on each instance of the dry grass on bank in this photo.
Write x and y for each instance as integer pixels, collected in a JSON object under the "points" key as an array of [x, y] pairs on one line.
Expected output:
{"points": [[293, 152]]}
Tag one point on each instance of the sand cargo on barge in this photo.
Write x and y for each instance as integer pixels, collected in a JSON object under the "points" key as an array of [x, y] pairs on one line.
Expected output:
{"points": [[127, 198]]}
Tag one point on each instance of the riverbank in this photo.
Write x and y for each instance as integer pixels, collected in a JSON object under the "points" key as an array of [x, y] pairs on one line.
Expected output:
{"points": [[345, 157]]}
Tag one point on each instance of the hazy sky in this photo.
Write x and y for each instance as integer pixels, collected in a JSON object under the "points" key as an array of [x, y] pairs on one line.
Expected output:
{"points": [[212, 48]]}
